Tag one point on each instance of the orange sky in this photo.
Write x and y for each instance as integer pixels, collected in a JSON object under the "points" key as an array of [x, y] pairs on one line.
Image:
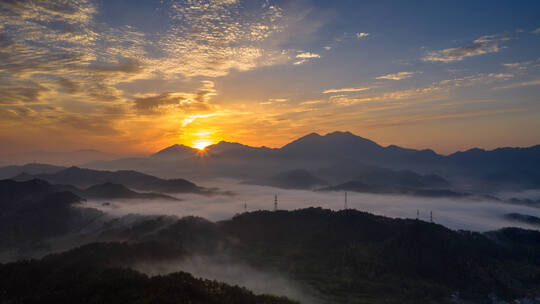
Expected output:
{"points": [[87, 75]]}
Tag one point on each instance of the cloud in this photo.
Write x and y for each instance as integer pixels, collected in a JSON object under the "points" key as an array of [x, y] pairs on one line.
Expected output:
{"points": [[481, 78], [327, 47], [521, 84], [274, 101], [345, 90], [305, 56], [480, 46], [536, 31], [361, 35], [397, 76], [453, 213], [172, 101], [210, 38], [21, 92], [311, 102], [308, 55]]}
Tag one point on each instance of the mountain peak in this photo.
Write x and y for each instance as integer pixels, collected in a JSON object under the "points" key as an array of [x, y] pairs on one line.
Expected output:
{"points": [[337, 141], [175, 151], [341, 133]]}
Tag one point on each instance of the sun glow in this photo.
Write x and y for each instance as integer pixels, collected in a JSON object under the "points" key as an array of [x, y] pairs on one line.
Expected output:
{"points": [[201, 144], [200, 139]]}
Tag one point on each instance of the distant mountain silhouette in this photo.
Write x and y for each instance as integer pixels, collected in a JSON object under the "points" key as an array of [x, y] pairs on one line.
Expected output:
{"points": [[359, 186], [135, 180], [337, 144], [118, 191], [473, 170], [31, 168], [175, 152]]}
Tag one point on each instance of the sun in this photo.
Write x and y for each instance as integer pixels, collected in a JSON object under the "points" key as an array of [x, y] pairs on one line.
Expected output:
{"points": [[201, 144], [199, 138]]}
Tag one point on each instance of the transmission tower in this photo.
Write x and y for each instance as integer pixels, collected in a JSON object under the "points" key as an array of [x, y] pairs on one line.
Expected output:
{"points": [[275, 202], [245, 207], [417, 214], [431, 216], [346, 206]]}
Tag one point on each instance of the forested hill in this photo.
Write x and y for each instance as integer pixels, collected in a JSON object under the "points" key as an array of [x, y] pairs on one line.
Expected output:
{"points": [[344, 256], [88, 275]]}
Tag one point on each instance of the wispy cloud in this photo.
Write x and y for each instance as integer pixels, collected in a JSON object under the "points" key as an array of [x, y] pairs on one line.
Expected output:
{"points": [[305, 56], [397, 76], [274, 101], [171, 101], [480, 46], [359, 89], [520, 84]]}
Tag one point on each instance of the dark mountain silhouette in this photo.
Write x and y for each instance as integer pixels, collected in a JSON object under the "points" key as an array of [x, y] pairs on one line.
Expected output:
{"points": [[92, 274], [343, 171], [474, 170], [359, 186], [31, 168], [369, 179], [35, 209], [135, 180], [355, 255], [14, 191], [175, 152], [343, 255], [512, 166], [337, 144], [118, 191]]}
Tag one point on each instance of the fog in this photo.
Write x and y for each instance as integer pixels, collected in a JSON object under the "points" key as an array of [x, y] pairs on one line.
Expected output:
{"points": [[454, 213], [225, 269]]}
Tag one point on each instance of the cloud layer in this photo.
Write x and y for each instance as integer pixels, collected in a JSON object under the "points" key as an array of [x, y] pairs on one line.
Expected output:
{"points": [[480, 46]]}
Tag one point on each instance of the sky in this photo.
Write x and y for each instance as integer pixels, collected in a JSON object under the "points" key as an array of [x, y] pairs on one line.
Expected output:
{"points": [[133, 77]]}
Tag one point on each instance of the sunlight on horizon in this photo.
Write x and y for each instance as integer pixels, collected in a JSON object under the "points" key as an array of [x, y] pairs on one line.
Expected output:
{"points": [[200, 139], [201, 145]]}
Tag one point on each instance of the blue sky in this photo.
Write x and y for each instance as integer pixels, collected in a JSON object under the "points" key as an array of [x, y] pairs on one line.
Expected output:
{"points": [[135, 76]]}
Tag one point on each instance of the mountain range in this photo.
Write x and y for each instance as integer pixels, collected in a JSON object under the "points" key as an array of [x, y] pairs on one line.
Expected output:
{"points": [[335, 161], [342, 157], [81, 177]]}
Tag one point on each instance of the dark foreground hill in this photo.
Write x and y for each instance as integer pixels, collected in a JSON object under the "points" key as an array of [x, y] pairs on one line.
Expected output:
{"points": [[357, 257], [346, 256], [89, 275]]}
